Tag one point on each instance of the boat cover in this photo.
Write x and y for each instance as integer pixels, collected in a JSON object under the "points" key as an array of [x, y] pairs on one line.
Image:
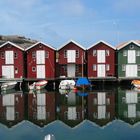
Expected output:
{"points": [[82, 81]]}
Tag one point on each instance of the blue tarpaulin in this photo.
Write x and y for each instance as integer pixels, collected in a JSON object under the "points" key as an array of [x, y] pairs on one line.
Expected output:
{"points": [[82, 81]]}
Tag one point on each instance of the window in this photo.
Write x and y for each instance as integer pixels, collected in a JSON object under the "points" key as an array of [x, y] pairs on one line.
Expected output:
{"points": [[77, 68], [65, 53], [124, 53], [46, 54], [131, 46], [138, 67], [77, 54], [40, 46], [33, 69], [107, 67], [16, 70], [94, 52], [2, 55], [94, 101], [64, 68], [15, 55], [123, 67], [107, 52], [94, 67], [137, 53], [33, 54]]}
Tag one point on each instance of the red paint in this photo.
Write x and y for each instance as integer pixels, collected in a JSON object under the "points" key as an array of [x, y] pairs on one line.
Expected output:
{"points": [[93, 60], [63, 61], [49, 62], [18, 62]]}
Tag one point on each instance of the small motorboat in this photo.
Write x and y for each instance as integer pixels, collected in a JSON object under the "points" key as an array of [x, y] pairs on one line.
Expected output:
{"points": [[67, 84], [38, 85], [49, 137], [136, 83], [8, 85]]}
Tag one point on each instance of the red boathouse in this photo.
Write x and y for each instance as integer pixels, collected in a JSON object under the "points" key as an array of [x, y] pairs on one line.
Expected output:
{"points": [[101, 60], [11, 60], [40, 61], [71, 58]]}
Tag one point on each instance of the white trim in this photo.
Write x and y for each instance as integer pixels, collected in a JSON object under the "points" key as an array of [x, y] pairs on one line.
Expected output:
{"points": [[39, 43], [101, 41], [127, 43], [71, 41], [13, 44]]}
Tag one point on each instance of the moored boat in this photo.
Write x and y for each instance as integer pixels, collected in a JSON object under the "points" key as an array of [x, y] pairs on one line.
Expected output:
{"points": [[136, 83], [8, 85], [67, 84], [38, 85]]}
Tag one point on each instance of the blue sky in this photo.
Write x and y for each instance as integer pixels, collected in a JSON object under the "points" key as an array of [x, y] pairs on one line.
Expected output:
{"points": [[85, 21]]}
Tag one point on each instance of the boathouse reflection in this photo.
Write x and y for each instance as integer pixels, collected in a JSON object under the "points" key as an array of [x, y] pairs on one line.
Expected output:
{"points": [[11, 108]]}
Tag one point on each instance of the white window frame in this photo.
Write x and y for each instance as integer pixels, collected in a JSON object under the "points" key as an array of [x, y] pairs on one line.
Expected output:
{"points": [[46, 54], [77, 53], [107, 67], [2, 55], [33, 54], [94, 52], [125, 53], [123, 67], [94, 67], [77, 68], [137, 52], [107, 52], [15, 55], [16, 70], [64, 68], [65, 53], [138, 67]]}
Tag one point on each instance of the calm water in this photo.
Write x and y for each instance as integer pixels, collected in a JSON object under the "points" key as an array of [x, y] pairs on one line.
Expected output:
{"points": [[99, 114]]}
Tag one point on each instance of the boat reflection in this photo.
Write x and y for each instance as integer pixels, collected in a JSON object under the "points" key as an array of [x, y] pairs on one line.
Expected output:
{"points": [[41, 107], [11, 108]]}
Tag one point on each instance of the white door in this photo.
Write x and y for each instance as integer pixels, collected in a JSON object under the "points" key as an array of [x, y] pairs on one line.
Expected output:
{"points": [[71, 113], [41, 112], [10, 113], [9, 57], [41, 99], [101, 112], [131, 110], [101, 98], [40, 57], [131, 97], [8, 71], [131, 56], [71, 55], [71, 70], [101, 56], [40, 71], [131, 71], [101, 70]]}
